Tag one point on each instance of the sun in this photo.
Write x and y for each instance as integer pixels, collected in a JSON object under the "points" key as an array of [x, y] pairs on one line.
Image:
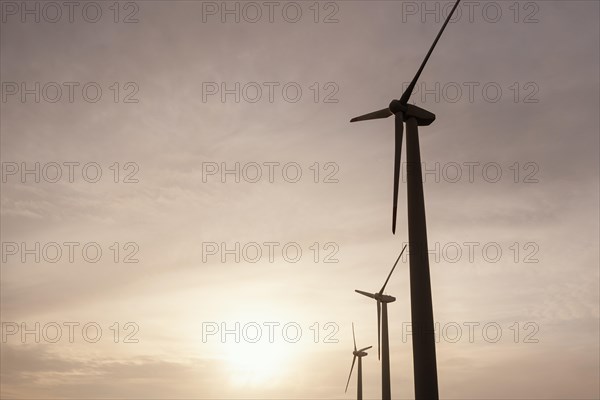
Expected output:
{"points": [[253, 364]]}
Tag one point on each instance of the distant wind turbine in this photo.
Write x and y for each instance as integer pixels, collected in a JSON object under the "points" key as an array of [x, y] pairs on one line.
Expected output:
{"points": [[424, 358], [383, 339], [357, 354]]}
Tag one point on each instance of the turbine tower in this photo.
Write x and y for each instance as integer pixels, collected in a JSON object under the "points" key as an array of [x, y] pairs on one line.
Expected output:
{"points": [[424, 358], [383, 339], [357, 354]]}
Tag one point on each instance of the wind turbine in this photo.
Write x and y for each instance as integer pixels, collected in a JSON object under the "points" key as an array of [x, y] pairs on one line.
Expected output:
{"points": [[423, 338], [383, 339], [357, 354]]}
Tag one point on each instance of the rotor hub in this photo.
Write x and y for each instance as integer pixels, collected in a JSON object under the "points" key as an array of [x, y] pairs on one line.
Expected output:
{"points": [[396, 107]]}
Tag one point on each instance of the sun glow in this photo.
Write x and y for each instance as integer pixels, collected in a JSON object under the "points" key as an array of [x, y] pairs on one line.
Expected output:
{"points": [[256, 363]]}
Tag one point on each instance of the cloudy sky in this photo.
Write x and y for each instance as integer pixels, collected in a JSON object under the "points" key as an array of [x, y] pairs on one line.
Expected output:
{"points": [[186, 209]]}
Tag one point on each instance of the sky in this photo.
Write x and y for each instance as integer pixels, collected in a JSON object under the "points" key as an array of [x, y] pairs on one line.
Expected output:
{"points": [[186, 210]]}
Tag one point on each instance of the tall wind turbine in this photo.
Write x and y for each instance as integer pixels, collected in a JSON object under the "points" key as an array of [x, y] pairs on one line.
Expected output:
{"points": [[357, 354], [405, 112], [383, 339], [423, 338]]}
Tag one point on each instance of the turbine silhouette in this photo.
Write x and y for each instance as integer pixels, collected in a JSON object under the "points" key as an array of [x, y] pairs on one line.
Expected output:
{"points": [[382, 332], [404, 112], [423, 338], [357, 354]]}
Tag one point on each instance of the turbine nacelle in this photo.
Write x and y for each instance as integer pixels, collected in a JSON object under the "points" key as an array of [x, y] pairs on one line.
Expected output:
{"points": [[423, 117], [361, 353], [384, 298], [407, 111]]}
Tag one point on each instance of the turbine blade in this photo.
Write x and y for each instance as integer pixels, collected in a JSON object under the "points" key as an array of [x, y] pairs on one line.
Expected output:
{"points": [[397, 157], [378, 329], [406, 95], [353, 337], [374, 115], [366, 348], [365, 294], [350, 376], [394, 267]]}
